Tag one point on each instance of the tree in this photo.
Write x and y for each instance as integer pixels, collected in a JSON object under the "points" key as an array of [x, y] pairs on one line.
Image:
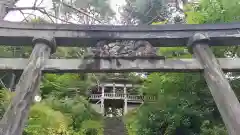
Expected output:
{"points": [[83, 12], [185, 105], [147, 12]]}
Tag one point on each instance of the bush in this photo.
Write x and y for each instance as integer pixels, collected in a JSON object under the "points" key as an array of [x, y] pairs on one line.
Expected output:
{"points": [[44, 120], [91, 131], [91, 127], [5, 98]]}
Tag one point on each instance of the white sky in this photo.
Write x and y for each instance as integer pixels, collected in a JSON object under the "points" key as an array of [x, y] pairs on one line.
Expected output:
{"points": [[17, 16]]}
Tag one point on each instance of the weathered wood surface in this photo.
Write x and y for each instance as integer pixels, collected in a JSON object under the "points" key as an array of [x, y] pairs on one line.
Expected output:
{"points": [[225, 98], [13, 121], [12, 33], [138, 65]]}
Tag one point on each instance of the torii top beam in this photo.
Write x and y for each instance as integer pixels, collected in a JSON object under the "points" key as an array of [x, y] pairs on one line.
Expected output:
{"points": [[12, 33]]}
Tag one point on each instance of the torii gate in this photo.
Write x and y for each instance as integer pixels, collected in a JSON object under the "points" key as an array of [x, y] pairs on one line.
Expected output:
{"points": [[46, 37]]}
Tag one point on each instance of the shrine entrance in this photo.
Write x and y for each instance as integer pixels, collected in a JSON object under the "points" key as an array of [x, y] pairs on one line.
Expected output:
{"points": [[113, 107]]}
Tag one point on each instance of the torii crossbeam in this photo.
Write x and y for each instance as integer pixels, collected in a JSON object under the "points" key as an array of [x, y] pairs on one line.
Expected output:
{"points": [[126, 65], [19, 34]]}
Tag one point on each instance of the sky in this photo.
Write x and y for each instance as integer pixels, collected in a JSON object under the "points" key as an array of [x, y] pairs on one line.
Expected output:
{"points": [[17, 16]]}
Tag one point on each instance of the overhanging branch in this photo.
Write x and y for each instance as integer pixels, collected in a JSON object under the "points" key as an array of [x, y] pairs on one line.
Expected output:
{"points": [[24, 8], [80, 11]]}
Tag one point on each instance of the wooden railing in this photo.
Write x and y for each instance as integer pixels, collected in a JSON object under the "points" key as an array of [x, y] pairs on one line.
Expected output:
{"points": [[121, 96], [95, 96]]}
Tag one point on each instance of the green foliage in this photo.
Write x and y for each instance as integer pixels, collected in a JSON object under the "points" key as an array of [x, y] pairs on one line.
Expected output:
{"points": [[44, 120], [91, 127], [130, 120], [194, 17], [208, 129], [13, 52], [214, 11], [173, 52], [185, 105], [5, 97], [147, 11], [63, 111], [66, 85], [77, 108], [55, 119], [38, 20], [68, 52]]}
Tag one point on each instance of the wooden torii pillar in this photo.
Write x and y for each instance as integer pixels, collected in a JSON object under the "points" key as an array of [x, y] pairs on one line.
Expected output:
{"points": [[225, 98], [15, 117]]}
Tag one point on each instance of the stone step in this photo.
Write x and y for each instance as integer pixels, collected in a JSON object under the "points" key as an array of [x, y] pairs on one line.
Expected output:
{"points": [[114, 126]]}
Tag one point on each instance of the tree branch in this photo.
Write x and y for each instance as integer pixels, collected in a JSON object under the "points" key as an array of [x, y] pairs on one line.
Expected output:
{"points": [[35, 3], [24, 8], [25, 18], [47, 14], [28, 15], [80, 11], [50, 15]]}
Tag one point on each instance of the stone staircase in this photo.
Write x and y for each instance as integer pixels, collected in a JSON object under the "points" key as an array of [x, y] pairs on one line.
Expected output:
{"points": [[114, 126]]}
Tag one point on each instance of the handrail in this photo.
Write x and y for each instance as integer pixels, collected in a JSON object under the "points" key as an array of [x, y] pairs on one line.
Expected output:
{"points": [[122, 96]]}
